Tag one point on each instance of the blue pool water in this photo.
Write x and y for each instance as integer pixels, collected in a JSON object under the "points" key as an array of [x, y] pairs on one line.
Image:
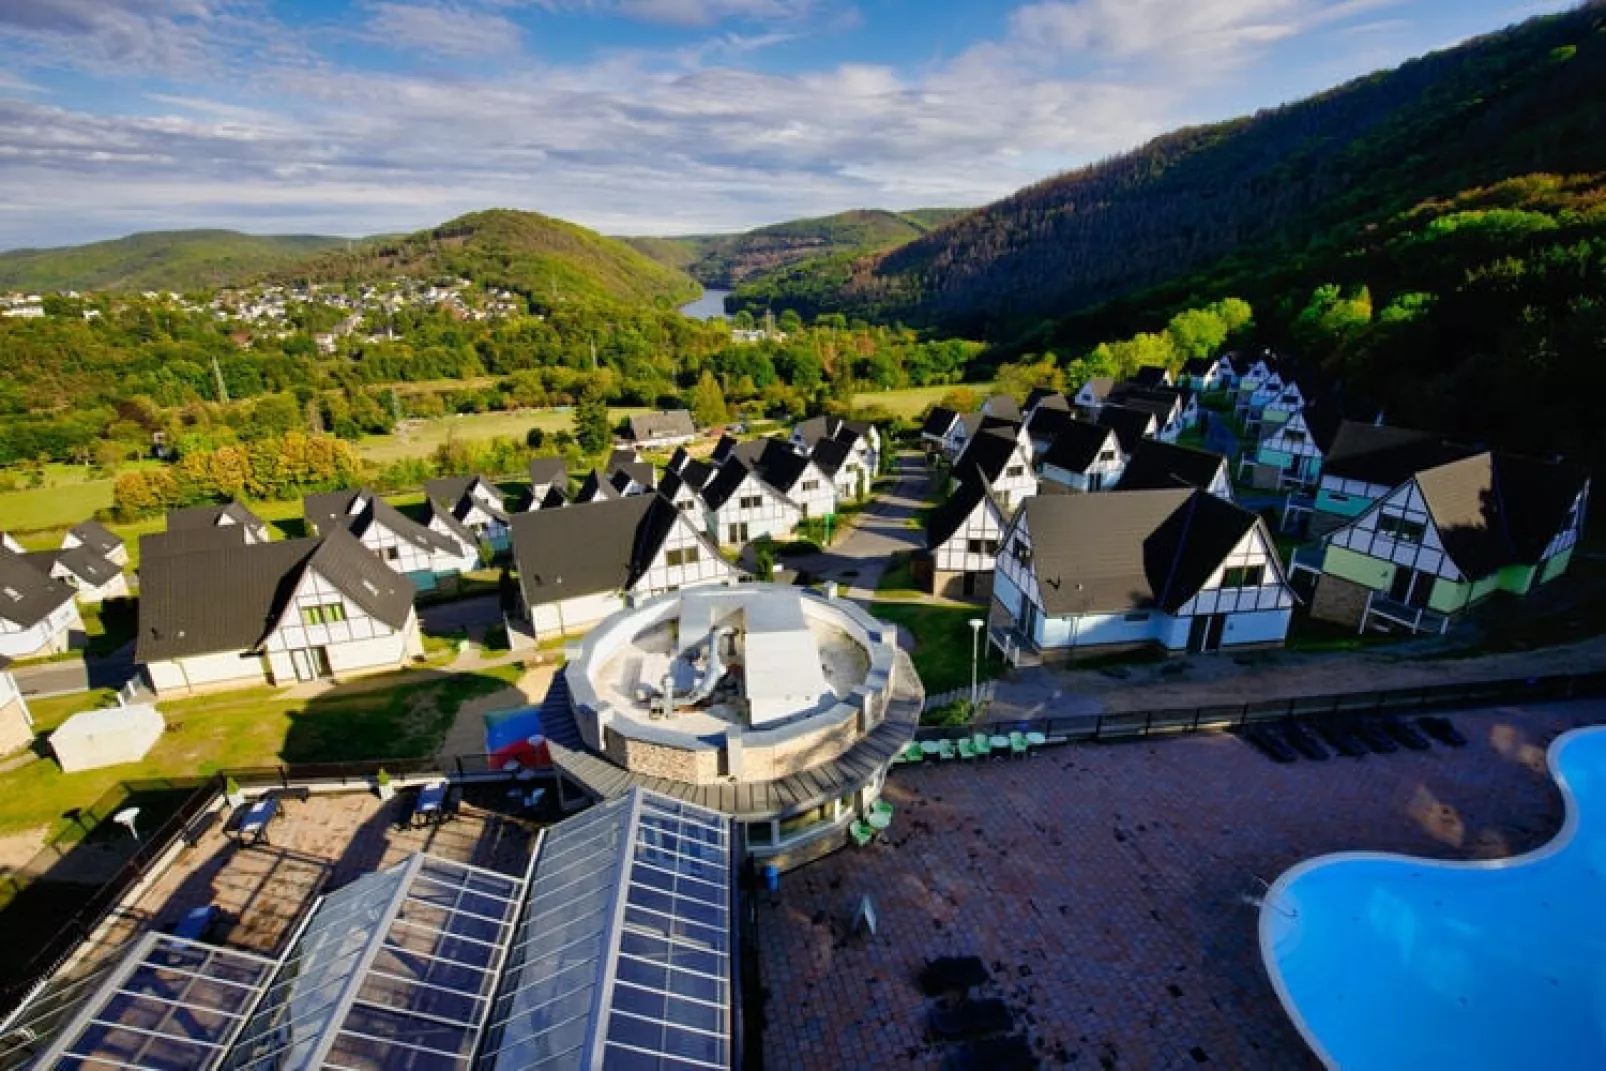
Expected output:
{"points": [[1385, 961]]}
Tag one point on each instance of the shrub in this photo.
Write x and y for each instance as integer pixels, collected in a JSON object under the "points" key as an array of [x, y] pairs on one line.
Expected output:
{"points": [[949, 715]]}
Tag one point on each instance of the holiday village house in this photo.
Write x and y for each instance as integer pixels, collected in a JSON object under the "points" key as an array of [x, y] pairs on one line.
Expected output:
{"points": [[425, 556]]}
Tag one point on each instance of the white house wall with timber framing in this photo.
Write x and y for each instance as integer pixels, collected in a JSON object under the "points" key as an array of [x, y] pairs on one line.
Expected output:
{"points": [[739, 507], [324, 633], [1292, 449], [963, 537]]}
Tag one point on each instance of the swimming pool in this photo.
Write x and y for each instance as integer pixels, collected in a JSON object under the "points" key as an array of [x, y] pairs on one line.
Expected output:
{"points": [[1388, 961]]}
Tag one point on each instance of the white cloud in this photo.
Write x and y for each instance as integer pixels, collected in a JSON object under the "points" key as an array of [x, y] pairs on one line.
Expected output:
{"points": [[447, 29]]}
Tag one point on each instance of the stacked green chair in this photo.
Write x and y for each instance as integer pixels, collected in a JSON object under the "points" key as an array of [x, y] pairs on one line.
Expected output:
{"points": [[945, 750], [1017, 745], [861, 833], [967, 749]]}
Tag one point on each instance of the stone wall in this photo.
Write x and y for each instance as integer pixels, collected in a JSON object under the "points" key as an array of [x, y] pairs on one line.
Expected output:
{"points": [[1339, 601], [950, 584], [697, 767], [794, 756]]}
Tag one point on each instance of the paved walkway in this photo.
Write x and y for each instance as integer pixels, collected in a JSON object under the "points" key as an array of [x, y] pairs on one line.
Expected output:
{"points": [[1112, 890], [1208, 680], [858, 558]]}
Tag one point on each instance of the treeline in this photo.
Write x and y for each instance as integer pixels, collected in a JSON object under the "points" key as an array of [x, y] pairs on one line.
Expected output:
{"points": [[280, 468], [1244, 197]]}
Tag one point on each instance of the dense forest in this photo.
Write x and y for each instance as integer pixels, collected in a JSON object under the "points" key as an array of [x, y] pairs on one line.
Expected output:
{"points": [[157, 260], [1255, 194], [726, 260]]}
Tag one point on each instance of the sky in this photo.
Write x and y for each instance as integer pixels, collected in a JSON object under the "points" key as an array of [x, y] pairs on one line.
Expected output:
{"points": [[355, 117]]}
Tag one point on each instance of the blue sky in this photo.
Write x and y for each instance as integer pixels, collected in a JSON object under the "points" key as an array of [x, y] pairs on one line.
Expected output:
{"points": [[632, 116]]}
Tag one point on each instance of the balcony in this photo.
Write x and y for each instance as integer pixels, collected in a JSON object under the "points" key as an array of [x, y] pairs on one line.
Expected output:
{"points": [[1380, 609], [1308, 558]]}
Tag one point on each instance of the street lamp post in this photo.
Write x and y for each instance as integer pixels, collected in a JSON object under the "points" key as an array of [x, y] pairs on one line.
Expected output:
{"points": [[975, 648]]}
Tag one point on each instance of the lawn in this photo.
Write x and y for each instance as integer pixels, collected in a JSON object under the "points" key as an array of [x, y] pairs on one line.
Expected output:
{"points": [[400, 715], [942, 643], [423, 436], [898, 582], [912, 401]]}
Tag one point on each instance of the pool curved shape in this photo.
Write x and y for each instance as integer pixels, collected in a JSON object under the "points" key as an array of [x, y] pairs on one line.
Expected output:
{"points": [[1388, 961]]}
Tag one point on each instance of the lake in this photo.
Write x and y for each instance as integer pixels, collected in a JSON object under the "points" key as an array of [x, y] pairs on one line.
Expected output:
{"points": [[710, 305]]}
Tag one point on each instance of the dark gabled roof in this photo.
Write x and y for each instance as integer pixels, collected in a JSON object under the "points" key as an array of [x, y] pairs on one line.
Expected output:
{"points": [[830, 455], [780, 465], [1197, 366], [664, 424], [548, 470], [381, 512], [1149, 375], [27, 595], [590, 548], [181, 613], [81, 562], [749, 451], [334, 509], [621, 455], [989, 453], [553, 499], [96, 536], [1322, 420], [436, 511], [361, 577], [1077, 446], [1003, 406], [595, 489], [723, 449], [1493, 510], [1157, 465], [1128, 552], [677, 460], [1045, 396], [1099, 386], [962, 501], [1379, 454], [623, 472], [717, 491], [1047, 421], [938, 421], [696, 473], [189, 541], [179, 520], [817, 429], [1131, 426], [355, 511], [453, 489], [1163, 402]]}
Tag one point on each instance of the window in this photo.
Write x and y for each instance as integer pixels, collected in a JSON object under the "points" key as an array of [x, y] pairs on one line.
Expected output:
{"points": [[687, 505], [751, 501], [1015, 470], [1293, 435], [327, 614], [1106, 455], [1243, 576], [738, 533], [988, 547], [760, 834], [681, 556], [811, 485], [392, 554], [1022, 551], [1400, 528]]}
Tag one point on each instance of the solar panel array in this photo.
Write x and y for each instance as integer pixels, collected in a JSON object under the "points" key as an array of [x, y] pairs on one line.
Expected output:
{"points": [[170, 1003], [395, 970], [623, 958]]}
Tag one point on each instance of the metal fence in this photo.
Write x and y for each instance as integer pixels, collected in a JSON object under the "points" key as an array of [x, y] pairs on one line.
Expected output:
{"points": [[1134, 724], [984, 695]]}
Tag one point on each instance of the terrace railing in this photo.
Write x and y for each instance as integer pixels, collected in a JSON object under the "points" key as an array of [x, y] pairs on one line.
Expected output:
{"points": [[1144, 723]]}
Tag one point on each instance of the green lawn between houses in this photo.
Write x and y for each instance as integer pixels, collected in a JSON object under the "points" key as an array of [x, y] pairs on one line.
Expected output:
{"points": [[942, 643], [912, 401], [399, 715]]}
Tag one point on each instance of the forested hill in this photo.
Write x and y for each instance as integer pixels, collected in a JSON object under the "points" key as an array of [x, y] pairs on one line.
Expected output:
{"points": [[724, 260], [550, 261], [1252, 195], [156, 260]]}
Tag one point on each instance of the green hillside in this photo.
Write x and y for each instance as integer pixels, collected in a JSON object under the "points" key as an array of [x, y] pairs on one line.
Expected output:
{"points": [[725, 260], [1244, 200], [548, 260], [156, 260]]}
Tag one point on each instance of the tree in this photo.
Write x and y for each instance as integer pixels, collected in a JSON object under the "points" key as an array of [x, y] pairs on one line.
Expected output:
{"points": [[708, 401], [535, 438], [764, 558], [591, 429]]}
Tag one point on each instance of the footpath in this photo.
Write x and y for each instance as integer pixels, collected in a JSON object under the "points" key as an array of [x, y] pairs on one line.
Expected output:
{"points": [[1216, 679]]}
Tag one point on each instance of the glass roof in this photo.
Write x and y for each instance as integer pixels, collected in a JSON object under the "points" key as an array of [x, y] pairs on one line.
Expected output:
{"points": [[170, 1003], [623, 957], [394, 970]]}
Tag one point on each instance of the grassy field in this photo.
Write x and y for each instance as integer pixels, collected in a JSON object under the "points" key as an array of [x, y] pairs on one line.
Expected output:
{"points": [[403, 715], [942, 643], [423, 436], [912, 401]]}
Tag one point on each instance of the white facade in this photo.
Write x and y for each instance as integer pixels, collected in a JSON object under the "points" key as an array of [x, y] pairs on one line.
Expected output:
{"points": [[1017, 481], [754, 509], [118, 555], [814, 493], [1090, 395], [685, 560], [1245, 602], [52, 635], [973, 547], [1292, 449], [410, 560]]}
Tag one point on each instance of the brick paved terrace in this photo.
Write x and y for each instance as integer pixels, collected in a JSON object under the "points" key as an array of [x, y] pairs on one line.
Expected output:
{"points": [[1112, 889], [319, 845]]}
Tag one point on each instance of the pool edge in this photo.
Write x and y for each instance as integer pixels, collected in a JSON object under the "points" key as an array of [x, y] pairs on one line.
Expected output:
{"points": [[1269, 912]]}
